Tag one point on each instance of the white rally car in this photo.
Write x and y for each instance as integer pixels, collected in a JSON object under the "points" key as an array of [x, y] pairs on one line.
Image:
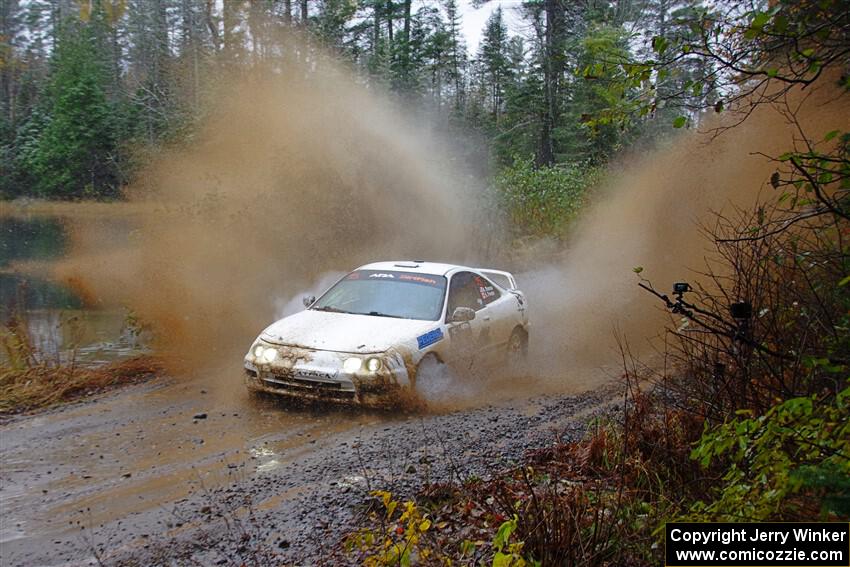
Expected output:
{"points": [[384, 326]]}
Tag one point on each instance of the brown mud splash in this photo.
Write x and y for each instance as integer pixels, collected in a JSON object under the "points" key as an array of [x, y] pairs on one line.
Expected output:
{"points": [[651, 215], [298, 174], [294, 174]]}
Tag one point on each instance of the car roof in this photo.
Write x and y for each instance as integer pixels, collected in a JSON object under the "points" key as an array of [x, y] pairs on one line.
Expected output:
{"points": [[414, 266]]}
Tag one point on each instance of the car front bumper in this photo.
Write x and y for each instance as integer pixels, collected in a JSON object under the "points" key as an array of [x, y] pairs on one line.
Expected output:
{"points": [[318, 375]]}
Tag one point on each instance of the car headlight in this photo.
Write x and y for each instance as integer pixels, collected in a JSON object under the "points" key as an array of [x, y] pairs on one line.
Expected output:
{"points": [[373, 364], [352, 365], [264, 353]]}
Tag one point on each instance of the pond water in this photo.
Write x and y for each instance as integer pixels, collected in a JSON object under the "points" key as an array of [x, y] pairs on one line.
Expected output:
{"points": [[59, 324]]}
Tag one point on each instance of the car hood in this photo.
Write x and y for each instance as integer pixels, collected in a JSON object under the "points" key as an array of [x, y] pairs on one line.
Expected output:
{"points": [[344, 332]]}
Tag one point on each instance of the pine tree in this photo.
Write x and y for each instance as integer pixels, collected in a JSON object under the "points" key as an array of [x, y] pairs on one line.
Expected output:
{"points": [[493, 56], [72, 157], [456, 51]]}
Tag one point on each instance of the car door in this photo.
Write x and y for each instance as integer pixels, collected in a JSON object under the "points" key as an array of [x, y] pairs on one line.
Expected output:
{"points": [[498, 310], [467, 338]]}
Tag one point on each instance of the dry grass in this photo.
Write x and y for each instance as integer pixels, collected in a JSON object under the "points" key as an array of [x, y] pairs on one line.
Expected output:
{"points": [[30, 381], [44, 385], [28, 208]]}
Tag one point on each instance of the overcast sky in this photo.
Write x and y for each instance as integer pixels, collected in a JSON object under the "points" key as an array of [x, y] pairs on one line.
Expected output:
{"points": [[474, 20]]}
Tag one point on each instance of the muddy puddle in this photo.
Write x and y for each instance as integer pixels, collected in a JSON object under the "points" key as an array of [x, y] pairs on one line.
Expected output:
{"points": [[124, 463], [145, 448], [61, 325], [135, 450]]}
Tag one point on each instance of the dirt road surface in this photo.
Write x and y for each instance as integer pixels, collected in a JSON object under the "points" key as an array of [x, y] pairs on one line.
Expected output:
{"points": [[165, 468]]}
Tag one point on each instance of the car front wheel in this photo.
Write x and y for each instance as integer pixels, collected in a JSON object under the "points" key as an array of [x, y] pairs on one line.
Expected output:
{"points": [[432, 380]]}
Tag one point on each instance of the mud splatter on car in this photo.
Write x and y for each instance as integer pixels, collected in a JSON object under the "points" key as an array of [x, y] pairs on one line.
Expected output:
{"points": [[385, 327]]}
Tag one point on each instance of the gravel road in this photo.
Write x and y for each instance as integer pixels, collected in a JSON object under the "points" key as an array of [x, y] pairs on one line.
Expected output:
{"points": [[166, 473]]}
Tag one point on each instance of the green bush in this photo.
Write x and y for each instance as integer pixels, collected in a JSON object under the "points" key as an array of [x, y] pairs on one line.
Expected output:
{"points": [[793, 461], [66, 149], [542, 201]]}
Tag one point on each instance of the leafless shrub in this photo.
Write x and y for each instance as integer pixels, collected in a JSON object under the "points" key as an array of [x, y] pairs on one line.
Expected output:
{"points": [[771, 325]]}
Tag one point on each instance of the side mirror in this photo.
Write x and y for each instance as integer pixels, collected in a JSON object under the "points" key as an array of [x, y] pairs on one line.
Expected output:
{"points": [[309, 300], [462, 315]]}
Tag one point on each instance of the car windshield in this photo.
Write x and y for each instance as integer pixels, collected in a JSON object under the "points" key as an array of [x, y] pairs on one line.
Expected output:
{"points": [[385, 293]]}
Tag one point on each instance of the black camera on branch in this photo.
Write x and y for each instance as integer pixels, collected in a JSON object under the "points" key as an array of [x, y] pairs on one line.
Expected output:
{"points": [[681, 287]]}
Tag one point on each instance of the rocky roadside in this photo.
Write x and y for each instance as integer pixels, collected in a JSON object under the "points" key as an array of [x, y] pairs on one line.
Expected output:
{"points": [[298, 513]]}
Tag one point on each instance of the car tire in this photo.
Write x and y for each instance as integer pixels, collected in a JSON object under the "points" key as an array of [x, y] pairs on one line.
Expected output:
{"points": [[517, 352], [432, 378]]}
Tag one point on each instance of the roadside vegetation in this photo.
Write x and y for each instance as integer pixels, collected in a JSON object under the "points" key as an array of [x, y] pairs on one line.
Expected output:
{"points": [[748, 418], [32, 380], [89, 91], [543, 201]]}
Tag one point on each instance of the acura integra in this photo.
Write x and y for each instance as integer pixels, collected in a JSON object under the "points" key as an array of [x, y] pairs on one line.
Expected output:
{"points": [[385, 327]]}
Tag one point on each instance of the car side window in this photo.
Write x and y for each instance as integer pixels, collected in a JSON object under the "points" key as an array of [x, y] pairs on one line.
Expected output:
{"points": [[463, 292], [486, 290]]}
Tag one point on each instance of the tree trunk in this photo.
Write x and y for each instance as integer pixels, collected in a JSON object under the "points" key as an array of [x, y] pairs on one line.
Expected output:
{"points": [[407, 17], [230, 20], [189, 45], [8, 10], [162, 48], [211, 25], [390, 11], [551, 78], [406, 70], [454, 45], [116, 57], [376, 30]]}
